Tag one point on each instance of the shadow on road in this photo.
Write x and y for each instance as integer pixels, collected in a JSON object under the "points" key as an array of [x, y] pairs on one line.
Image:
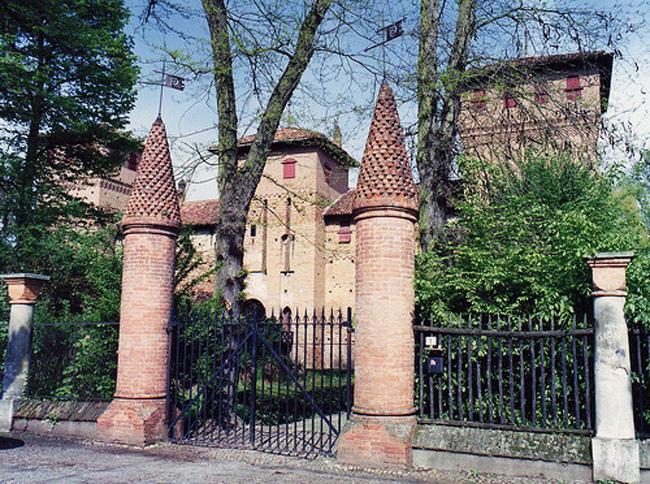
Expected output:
{"points": [[9, 443]]}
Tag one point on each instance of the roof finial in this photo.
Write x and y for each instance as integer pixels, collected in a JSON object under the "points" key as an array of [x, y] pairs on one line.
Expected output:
{"points": [[154, 198], [385, 178], [337, 136]]}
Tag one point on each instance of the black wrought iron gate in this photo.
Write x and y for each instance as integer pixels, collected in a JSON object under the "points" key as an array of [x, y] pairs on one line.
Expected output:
{"points": [[279, 385]]}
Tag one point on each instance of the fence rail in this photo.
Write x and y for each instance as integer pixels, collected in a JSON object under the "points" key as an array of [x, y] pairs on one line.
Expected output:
{"points": [[640, 363], [73, 361], [528, 374]]}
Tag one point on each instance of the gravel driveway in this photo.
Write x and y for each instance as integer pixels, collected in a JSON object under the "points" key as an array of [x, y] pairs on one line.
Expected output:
{"points": [[34, 459]]}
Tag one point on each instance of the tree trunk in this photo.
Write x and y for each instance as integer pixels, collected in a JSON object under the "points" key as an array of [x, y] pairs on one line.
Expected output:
{"points": [[237, 184], [230, 252], [26, 179], [438, 111]]}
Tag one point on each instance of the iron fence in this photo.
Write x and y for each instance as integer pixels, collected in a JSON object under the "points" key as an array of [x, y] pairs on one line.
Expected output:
{"points": [[4, 336], [533, 374], [279, 385], [640, 362], [73, 361]]}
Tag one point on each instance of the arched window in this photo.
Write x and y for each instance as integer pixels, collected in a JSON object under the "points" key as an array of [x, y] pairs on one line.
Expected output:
{"points": [[286, 315], [254, 310], [132, 163], [286, 332], [287, 249]]}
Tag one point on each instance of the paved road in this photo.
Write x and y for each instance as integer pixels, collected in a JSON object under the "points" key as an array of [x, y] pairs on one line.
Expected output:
{"points": [[32, 459]]}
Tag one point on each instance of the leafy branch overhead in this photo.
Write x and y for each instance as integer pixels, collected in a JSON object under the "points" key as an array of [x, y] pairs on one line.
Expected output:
{"points": [[237, 184]]}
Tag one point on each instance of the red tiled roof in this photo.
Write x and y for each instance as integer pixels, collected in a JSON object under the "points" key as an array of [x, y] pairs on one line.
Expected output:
{"points": [[154, 198], [572, 57], [385, 177], [342, 205], [200, 213], [302, 137], [286, 134], [499, 72]]}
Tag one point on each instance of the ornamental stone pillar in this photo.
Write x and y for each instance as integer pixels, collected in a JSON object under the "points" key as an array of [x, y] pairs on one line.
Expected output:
{"points": [[137, 414], [380, 431], [23, 289], [615, 449]]}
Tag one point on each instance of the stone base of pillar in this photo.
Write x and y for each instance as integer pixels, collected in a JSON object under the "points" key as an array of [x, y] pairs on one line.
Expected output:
{"points": [[377, 441], [615, 459], [133, 421], [6, 414]]}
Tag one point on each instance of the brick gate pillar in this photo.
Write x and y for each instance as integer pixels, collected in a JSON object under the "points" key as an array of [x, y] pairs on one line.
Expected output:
{"points": [[380, 431], [137, 414]]}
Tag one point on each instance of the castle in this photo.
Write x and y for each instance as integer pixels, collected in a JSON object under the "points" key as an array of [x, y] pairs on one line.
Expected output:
{"points": [[112, 193], [299, 244], [544, 104]]}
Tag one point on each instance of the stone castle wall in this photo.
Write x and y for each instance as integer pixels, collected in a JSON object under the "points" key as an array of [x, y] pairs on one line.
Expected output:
{"points": [[293, 255]]}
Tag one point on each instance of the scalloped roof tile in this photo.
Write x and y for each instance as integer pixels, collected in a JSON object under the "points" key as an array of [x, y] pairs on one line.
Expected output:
{"points": [[154, 198], [385, 178]]}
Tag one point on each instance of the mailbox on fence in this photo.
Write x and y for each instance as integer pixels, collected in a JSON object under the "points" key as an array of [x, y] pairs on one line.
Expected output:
{"points": [[435, 360]]}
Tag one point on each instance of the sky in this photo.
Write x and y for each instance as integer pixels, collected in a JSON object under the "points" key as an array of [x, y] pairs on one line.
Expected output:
{"points": [[190, 116]]}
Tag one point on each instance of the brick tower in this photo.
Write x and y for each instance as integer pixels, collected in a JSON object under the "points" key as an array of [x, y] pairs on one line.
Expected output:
{"points": [[381, 429], [151, 223]]}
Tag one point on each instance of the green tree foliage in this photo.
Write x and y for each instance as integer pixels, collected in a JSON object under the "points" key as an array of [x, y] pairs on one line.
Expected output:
{"points": [[637, 306], [67, 79], [190, 272], [85, 266], [520, 239], [86, 269]]}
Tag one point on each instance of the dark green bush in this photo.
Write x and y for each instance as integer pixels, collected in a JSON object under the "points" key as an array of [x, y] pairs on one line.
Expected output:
{"points": [[521, 237]]}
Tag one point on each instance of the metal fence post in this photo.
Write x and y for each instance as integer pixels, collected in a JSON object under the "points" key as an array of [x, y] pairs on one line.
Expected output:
{"points": [[253, 403], [23, 291], [615, 449]]}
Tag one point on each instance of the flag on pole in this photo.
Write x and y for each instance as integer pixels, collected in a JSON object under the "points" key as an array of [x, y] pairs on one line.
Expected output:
{"points": [[392, 31], [175, 82], [389, 33]]}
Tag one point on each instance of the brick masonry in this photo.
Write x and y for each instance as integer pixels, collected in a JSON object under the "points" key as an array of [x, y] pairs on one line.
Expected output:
{"points": [[146, 308], [321, 267], [378, 441], [380, 432], [137, 414], [544, 114], [384, 303]]}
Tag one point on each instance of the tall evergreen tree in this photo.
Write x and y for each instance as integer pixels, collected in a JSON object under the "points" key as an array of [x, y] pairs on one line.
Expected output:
{"points": [[67, 77]]}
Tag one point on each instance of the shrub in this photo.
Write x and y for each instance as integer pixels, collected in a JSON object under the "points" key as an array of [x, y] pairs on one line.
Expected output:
{"points": [[521, 237]]}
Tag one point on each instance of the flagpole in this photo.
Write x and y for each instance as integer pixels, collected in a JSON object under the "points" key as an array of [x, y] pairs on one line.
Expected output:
{"points": [[162, 87], [383, 53]]}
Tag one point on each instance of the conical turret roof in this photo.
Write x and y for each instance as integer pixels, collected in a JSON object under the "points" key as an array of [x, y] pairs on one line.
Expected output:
{"points": [[154, 198], [385, 178]]}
